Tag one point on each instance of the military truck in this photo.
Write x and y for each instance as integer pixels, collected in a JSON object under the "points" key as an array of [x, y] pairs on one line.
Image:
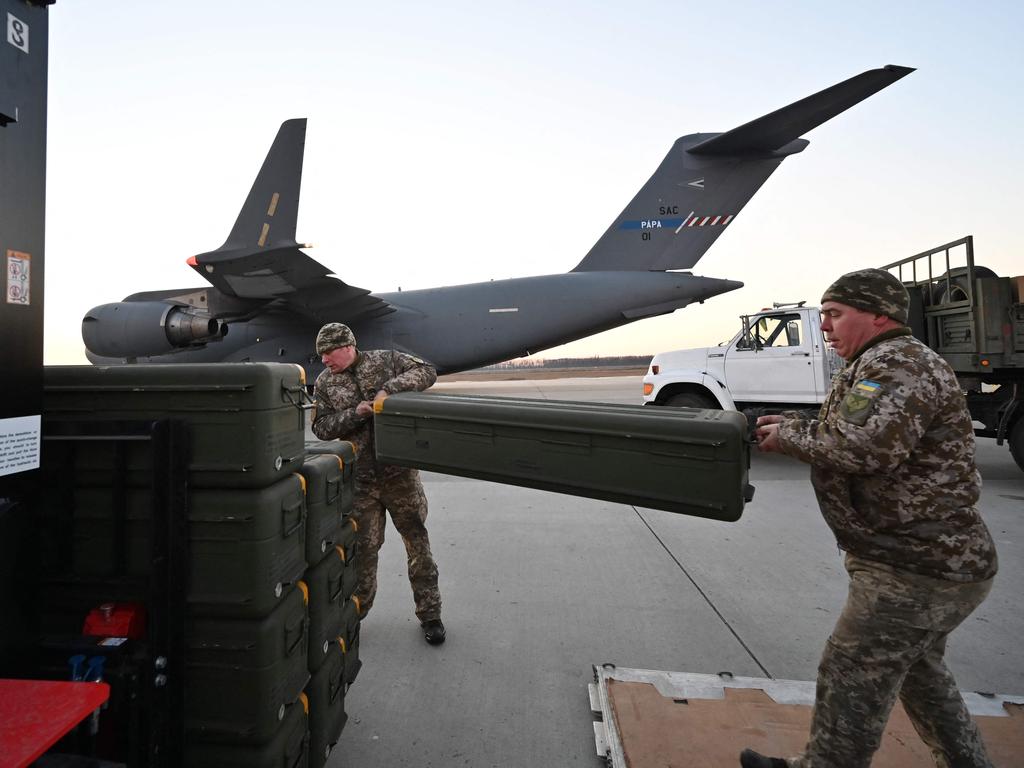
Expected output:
{"points": [[779, 359]]}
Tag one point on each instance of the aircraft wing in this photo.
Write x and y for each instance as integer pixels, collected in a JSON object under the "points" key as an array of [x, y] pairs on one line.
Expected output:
{"points": [[261, 259], [290, 276]]}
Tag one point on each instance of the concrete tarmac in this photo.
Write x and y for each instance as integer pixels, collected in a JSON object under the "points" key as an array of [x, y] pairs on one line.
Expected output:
{"points": [[538, 587]]}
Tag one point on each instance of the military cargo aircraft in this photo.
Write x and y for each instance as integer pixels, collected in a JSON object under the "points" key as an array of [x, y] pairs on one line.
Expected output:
{"points": [[266, 298]]}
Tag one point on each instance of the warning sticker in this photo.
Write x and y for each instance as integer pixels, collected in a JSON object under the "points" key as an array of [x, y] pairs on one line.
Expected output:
{"points": [[19, 444], [19, 277]]}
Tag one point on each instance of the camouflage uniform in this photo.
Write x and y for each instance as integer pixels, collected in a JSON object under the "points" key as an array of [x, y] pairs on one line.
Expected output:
{"points": [[892, 464], [380, 486]]}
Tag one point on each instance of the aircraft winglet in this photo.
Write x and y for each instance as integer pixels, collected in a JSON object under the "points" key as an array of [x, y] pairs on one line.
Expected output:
{"points": [[775, 130]]}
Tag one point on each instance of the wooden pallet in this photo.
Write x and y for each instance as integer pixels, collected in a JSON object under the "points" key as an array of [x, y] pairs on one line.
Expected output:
{"points": [[654, 719]]}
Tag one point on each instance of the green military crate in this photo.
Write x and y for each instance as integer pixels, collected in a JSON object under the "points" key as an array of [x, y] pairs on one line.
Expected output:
{"points": [[245, 420], [288, 747], [343, 449], [684, 460], [229, 697], [349, 643], [346, 545], [329, 486], [329, 583], [326, 693], [245, 545], [251, 643]]}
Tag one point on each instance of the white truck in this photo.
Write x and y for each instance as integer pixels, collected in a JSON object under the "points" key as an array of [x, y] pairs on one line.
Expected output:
{"points": [[779, 359]]}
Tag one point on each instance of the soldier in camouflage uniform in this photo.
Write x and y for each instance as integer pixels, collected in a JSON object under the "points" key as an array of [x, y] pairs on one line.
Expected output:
{"points": [[892, 464], [344, 395]]}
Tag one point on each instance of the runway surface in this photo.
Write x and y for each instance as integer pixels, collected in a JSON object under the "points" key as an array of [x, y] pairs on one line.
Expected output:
{"points": [[537, 587]]}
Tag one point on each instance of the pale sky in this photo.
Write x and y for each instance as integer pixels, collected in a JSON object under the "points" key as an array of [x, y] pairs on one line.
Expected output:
{"points": [[451, 142]]}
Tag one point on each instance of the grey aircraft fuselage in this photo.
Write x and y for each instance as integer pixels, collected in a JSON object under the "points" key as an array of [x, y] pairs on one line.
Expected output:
{"points": [[465, 326]]}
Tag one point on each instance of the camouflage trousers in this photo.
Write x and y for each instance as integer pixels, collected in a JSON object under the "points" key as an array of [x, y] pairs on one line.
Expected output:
{"points": [[889, 641], [399, 491]]}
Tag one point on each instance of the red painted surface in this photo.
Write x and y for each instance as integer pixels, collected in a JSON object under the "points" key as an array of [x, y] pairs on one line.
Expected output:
{"points": [[34, 714], [116, 620]]}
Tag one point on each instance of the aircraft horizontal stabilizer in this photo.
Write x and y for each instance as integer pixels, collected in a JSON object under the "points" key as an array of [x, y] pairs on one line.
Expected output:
{"points": [[774, 131], [261, 259]]}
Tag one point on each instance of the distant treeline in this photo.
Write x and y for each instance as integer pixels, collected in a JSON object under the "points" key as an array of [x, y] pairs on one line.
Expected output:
{"points": [[619, 361]]}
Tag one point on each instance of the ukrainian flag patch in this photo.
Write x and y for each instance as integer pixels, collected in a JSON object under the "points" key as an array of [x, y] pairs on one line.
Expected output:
{"points": [[859, 403]]}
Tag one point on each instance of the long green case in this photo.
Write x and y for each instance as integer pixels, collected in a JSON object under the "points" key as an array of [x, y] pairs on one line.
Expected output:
{"points": [[246, 423], [684, 460]]}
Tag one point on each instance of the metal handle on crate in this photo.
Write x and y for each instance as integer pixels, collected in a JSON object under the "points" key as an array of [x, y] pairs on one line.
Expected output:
{"points": [[298, 396], [299, 630], [333, 490], [286, 512], [337, 686], [334, 587], [301, 399]]}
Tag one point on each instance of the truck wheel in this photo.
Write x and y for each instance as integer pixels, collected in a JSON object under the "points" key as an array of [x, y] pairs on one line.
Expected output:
{"points": [[1016, 441], [691, 400]]}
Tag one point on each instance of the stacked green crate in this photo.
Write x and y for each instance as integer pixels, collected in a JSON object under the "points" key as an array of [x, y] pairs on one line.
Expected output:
{"points": [[330, 578], [247, 630]]}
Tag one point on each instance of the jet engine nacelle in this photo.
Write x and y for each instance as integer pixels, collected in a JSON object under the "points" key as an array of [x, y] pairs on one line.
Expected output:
{"points": [[145, 328]]}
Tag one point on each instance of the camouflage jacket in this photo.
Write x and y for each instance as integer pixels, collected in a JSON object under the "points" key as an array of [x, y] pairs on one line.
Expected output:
{"points": [[336, 396], [892, 462]]}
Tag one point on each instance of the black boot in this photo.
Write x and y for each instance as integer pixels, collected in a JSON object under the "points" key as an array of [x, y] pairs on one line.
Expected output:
{"points": [[433, 631], [751, 759]]}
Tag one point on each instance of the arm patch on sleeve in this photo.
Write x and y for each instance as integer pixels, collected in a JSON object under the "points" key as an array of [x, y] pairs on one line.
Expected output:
{"points": [[859, 402]]}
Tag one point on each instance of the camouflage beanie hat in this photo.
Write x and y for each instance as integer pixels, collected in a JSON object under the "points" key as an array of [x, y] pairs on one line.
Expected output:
{"points": [[871, 290], [333, 336]]}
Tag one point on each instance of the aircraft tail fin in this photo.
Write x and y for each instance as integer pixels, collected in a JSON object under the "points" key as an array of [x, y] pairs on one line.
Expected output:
{"points": [[706, 179], [269, 214]]}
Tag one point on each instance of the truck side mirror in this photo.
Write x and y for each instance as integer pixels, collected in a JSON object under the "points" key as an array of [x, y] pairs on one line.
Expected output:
{"points": [[793, 333]]}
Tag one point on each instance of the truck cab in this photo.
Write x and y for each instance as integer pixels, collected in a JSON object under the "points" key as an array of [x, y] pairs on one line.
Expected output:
{"points": [[777, 358]]}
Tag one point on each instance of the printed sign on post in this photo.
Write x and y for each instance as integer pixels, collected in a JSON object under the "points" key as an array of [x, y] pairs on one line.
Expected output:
{"points": [[19, 444], [18, 277]]}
